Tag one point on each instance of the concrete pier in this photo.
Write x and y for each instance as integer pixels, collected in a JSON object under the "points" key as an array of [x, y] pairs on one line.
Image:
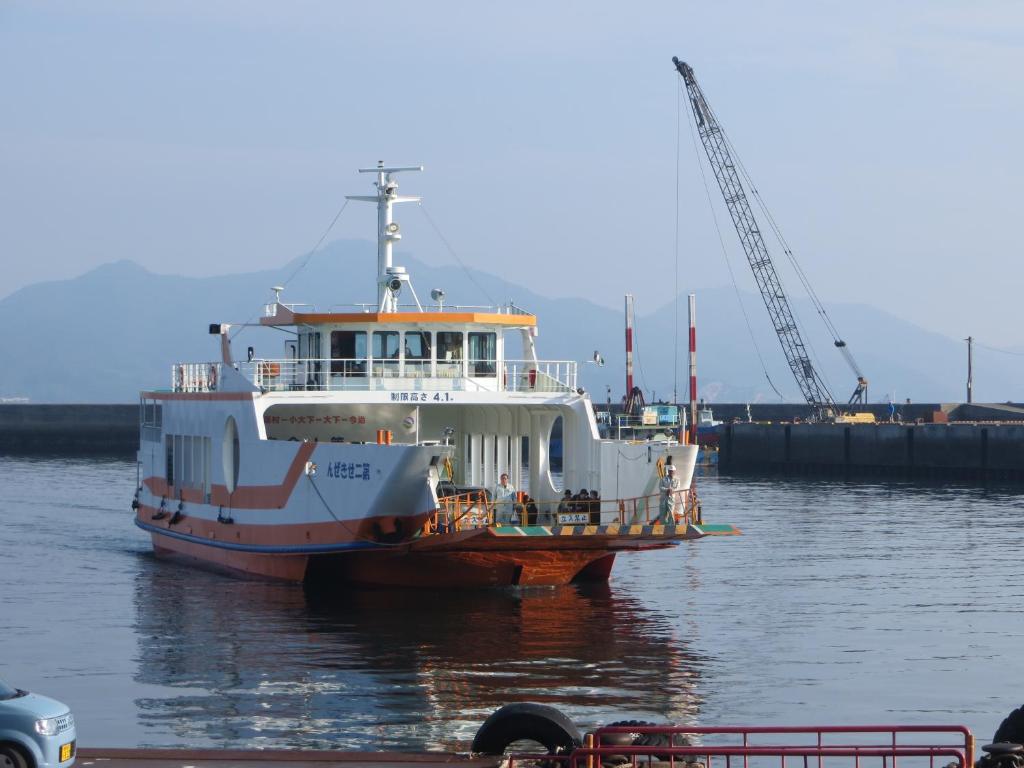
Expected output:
{"points": [[69, 429], [967, 451]]}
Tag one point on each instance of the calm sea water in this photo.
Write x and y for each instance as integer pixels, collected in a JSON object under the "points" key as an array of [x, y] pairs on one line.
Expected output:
{"points": [[842, 602]]}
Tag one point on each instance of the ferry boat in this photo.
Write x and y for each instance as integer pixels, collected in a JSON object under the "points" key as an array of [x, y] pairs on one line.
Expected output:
{"points": [[372, 449]]}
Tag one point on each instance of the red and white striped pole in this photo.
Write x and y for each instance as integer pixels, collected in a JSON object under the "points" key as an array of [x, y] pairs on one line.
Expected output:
{"points": [[693, 369], [629, 344]]}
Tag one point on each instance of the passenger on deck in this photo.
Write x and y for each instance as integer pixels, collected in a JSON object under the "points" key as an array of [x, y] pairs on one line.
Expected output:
{"points": [[529, 505], [565, 505], [595, 508], [506, 510], [669, 488], [581, 501]]}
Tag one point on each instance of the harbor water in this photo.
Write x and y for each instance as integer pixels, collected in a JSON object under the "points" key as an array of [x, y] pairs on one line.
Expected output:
{"points": [[842, 603]]}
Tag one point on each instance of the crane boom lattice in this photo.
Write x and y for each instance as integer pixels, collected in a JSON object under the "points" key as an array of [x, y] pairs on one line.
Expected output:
{"points": [[812, 386]]}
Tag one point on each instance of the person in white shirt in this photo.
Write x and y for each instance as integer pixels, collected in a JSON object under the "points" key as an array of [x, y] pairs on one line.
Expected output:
{"points": [[670, 488], [506, 510]]}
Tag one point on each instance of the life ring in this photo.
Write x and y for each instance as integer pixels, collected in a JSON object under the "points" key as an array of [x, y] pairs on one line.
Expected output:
{"points": [[212, 380], [270, 370]]}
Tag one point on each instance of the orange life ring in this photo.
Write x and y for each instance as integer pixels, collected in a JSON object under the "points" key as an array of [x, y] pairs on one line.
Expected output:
{"points": [[270, 370]]}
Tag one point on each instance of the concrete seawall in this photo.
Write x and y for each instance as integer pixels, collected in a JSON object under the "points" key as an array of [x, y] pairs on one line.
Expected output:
{"points": [[955, 450], [69, 429]]}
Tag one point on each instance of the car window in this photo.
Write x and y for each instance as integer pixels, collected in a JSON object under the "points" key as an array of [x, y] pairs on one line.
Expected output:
{"points": [[9, 691]]}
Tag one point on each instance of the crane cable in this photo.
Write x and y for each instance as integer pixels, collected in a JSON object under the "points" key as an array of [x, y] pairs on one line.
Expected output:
{"points": [[454, 255], [819, 307], [728, 263], [804, 280], [301, 267], [675, 287]]}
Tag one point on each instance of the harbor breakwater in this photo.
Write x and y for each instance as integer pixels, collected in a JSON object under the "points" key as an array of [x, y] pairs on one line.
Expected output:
{"points": [[80, 429], [963, 451]]}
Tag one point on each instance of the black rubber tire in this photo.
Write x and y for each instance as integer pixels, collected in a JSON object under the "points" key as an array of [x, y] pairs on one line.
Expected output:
{"points": [[527, 722], [1012, 728], [11, 757]]}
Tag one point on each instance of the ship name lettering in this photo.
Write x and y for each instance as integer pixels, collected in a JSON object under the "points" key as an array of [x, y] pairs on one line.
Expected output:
{"points": [[349, 470]]}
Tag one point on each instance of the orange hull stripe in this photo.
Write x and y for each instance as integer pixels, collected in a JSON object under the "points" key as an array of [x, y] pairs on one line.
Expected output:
{"points": [[274, 535], [198, 395], [245, 496]]}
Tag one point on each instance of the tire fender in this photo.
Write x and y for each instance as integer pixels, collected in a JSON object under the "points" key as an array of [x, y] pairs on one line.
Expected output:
{"points": [[532, 722], [1012, 728]]}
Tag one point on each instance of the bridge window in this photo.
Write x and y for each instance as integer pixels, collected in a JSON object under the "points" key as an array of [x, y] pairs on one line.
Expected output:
{"points": [[348, 353], [483, 354], [449, 354], [417, 353], [385, 353]]}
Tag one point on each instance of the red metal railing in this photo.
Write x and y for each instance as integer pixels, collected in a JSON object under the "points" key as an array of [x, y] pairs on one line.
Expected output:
{"points": [[466, 511], [890, 749]]}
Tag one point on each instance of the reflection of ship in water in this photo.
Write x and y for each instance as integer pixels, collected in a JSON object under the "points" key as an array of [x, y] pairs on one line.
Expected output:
{"points": [[271, 665]]}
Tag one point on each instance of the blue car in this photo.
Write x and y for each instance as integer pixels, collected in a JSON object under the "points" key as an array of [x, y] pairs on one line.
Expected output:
{"points": [[35, 732]]}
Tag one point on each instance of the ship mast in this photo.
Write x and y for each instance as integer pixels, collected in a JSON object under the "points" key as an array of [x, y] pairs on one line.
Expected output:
{"points": [[389, 277]]}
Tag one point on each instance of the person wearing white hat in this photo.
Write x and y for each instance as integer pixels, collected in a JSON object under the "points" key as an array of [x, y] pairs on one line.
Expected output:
{"points": [[670, 488]]}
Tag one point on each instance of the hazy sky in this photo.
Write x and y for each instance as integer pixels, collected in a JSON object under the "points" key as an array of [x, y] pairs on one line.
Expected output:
{"points": [[213, 137]]}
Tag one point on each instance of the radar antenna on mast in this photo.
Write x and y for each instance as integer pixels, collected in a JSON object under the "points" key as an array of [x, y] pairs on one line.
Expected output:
{"points": [[390, 278]]}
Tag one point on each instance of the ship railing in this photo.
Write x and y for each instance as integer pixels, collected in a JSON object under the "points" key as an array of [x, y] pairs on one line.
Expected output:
{"points": [[195, 377], [539, 375], [476, 509], [494, 309], [328, 374], [270, 310], [849, 746]]}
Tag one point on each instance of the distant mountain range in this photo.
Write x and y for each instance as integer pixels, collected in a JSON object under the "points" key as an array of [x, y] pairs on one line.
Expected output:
{"points": [[111, 332]]}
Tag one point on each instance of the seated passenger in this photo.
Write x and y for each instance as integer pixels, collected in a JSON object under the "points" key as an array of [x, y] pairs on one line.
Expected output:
{"points": [[595, 508], [529, 507], [581, 501], [565, 505]]}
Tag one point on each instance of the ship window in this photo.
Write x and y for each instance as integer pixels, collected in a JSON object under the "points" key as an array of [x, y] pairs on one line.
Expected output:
{"points": [[150, 421], [309, 346], [308, 372], [417, 353], [179, 449], [230, 454], [385, 353], [483, 354], [449, 354], [169, 450], [348, 353]]}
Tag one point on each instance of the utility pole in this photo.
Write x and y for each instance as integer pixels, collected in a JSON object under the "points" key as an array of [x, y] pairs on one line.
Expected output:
{"points": [[970, 368]]}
